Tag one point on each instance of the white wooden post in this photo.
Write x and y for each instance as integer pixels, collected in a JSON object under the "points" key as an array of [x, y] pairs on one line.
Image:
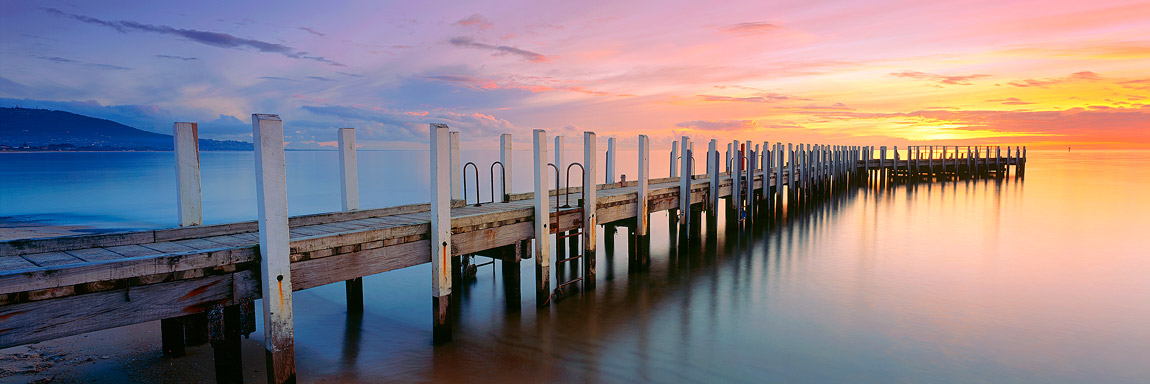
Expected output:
{"points": [[442, 146], [456, 168], [727, 160], [610, 171], [542, 221], [506, 158], [348, 176], [713, 175], [779, 167], [275, 261], [791, 168], [590, 206], [349, 186], [674, 159], [644, 176], [685, 182], [188, 198], [750, 172], [736, 179]]}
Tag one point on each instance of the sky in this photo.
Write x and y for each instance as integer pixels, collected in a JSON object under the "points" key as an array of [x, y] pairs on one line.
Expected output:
{"points": [[1046, 74]]}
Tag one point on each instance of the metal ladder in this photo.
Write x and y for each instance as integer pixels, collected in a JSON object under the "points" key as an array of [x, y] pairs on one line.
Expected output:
{"points": [[574, 237]]}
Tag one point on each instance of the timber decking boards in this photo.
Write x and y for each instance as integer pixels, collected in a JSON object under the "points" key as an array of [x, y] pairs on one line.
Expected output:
{"points": [[49, 259]]}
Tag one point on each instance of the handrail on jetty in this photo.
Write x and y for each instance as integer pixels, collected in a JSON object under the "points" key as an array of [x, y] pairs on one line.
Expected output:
{"points": [[201, 281]]}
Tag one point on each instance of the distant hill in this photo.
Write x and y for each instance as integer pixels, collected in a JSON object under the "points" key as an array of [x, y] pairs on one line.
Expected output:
{"points": [[59, 130]]}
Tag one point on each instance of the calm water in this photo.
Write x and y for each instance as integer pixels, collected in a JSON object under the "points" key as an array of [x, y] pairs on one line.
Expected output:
{"points": [[1038, 280]]}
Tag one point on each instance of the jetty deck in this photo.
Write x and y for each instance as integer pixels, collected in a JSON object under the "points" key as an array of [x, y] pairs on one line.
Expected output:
{"points": [[57, 287]]}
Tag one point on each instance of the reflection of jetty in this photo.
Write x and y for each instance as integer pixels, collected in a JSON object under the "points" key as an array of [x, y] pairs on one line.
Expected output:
{"points": [[201, 281]]}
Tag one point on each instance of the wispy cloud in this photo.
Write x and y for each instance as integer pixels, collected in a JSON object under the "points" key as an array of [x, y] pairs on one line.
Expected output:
{"points": [[1044, 83], [941, 79], [749, 28], [351, 74], [62, 60], [476, 21], [215, 39], [312, 31], [718, 125], [177, 57], [320, 78], [1009, 101], [766, 97], [276, 78], [499, 50]]}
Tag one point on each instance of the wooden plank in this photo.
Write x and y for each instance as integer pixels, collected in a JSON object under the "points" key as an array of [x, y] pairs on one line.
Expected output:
{"points": [[316, 272], [48, 259], [50, 319], [168, 247], [95, 254], [72, 274], [231, 240], [200, 244], [10, 263], [133, 250], [51, 244]]}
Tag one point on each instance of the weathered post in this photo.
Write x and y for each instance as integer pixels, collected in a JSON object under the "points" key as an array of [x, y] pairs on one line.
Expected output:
{"points": [[727, 160], [456, 168], [506, 158], [685, 183], [349, 186], [542, 221], [791, 168], [590, 205], [642, 219], [440, 245], [275, 269], [713, 175], [736, 180], [674, 159], [610, 171], [190, 212], [779, 168], [750, 174], [187, 148]]}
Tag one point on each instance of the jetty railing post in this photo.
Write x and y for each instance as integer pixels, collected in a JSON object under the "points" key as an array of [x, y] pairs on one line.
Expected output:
{"points": [[736, 180], [440, 245], [713, 175], [790, 168], [590, 206], [456, 168], [727, 159], [349, 186], [506, 158], [750, 172], [189, 212], [542, 220], [675, 158], [275, 268], [610, 165], [778, 168], [685, 184], [644, 175]]}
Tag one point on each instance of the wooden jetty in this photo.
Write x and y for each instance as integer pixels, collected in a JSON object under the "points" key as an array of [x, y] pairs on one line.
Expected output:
{"points": [[202, 281]]}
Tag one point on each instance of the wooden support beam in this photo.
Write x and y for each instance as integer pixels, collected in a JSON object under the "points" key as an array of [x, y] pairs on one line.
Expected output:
{"points": [[506, 159], [609, 172], [226, 330], [440, 137], [275, 269], [791, 168], [542, 220], [349, 186], [643, 222], [750, 175], [674, 159], [512, 295], [590, 207]]}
